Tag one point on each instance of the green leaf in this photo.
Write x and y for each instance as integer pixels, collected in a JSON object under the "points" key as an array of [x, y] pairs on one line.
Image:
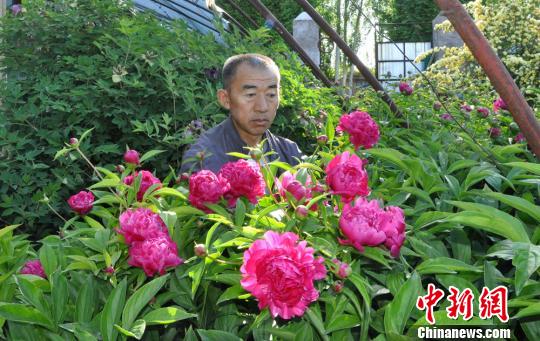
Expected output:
{"points": [[239, 155], [400, 308], [317, 323], [530, 167], [106, 183], [32, 294], [216, 335], [167, 315], [515, 202], [329, 128], [21, 313], [391, 155], [526, 261], [345, 321], [48, 259], [419, 193], [443, 265], [231, 293], [59, 289], [461, 164], [168, 192], [140, 299], [150, 154], [61, 153], [362, 287], [112, 310], [308, 166], [136, 331], [187, 211], [108, 173], [93, 223], [240, 212], [84, 135], [489, 219], [8, 229], [532, 310], [84, 307]]}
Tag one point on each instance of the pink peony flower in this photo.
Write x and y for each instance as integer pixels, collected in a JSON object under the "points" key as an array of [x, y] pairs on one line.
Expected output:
{"points": [[279, 272], [154, 255], [140, 224], [345, 175], [205, 187], [483, 111], [246, 180], [394, 228], [361, 224], [132, 156], [405, 88], [494, 132], [363, 130], [519, 138], [147, 180], [33, 267], [446, 116], [289, 184], [81, 202], [499, 104]]}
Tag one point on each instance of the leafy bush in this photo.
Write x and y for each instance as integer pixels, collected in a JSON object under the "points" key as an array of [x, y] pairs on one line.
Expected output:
{"points": [[513, 37], [71, 66]]}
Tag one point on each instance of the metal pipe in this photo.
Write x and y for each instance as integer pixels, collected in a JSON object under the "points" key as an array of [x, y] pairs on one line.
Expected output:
{"points": [[244, 14], [282, 31], [369, 77], [495, 70]]}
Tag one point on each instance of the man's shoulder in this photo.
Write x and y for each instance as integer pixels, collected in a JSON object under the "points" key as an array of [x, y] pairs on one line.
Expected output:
{"points": [[283, 141]]}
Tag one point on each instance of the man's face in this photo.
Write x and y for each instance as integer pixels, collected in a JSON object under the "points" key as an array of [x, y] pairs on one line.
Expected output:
{"points": [[252, 99]]}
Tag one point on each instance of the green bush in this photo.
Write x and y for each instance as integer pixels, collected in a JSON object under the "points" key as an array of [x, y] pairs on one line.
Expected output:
{"points": [[71, 66]]}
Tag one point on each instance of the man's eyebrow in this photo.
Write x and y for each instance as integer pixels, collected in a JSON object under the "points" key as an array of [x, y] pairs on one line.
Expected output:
{"points": [[249, 86]]}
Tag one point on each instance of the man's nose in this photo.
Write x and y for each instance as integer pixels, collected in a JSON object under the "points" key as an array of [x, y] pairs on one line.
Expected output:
{"points": [[261, 104]]}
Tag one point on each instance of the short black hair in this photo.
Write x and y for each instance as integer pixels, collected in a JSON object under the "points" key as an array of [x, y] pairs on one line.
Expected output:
{"points": [[253, 59]]}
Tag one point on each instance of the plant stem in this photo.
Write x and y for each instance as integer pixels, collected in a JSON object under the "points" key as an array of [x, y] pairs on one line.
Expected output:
{"points": [[56, 212]]}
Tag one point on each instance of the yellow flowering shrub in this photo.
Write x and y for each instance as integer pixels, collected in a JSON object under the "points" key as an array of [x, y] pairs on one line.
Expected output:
{"points": [[513, 29]]}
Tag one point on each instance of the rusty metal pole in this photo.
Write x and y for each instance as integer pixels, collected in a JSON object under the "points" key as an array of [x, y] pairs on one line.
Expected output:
{"points": [[282, 31], [370, 78], [495, 70]]}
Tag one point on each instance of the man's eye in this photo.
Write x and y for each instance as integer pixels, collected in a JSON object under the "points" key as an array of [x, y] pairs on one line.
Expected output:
{"points": [[271, 95], [250, 95]]}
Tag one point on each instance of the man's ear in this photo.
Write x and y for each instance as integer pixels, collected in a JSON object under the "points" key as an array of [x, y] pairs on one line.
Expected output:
{"points": [[223, 98]]}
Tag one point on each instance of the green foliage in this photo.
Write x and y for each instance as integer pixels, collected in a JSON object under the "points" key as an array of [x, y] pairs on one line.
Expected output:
{"points": [[72, 66]]}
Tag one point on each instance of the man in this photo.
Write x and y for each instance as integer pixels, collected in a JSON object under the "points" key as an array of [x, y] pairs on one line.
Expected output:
{"points": [[251, 84]]}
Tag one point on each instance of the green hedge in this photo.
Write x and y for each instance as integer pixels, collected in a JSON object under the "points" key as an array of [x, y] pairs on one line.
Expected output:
{"points": [[138, 82]]}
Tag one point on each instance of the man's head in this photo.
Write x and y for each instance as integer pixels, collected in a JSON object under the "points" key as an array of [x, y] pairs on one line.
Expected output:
{"points": [[250, 93]]}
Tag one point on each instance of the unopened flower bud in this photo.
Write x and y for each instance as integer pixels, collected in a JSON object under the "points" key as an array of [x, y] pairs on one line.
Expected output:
{"points": [[109, 270], [337, 286], [200, 155], [344, 270], [437, 105], [73, 141], [255, 154], [184, 177], [200, 250], [132, 156], [301, 211], [120, 168], [322, 140]]}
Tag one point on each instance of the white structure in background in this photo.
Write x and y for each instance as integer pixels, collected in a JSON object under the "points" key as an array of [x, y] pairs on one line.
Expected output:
{"points": [[306, 33], [395, 60]]}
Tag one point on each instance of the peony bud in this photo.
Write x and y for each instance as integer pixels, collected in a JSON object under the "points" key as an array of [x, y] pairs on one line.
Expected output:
{"points": [[73, 141], [494, 132], [301, 212], [322, 140], [344, 270], [200, 250], [200, 155], [437, 105], [132, 156], [255, 154], [120, 168], [109, 270], [184, 177], [337, 286]]}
